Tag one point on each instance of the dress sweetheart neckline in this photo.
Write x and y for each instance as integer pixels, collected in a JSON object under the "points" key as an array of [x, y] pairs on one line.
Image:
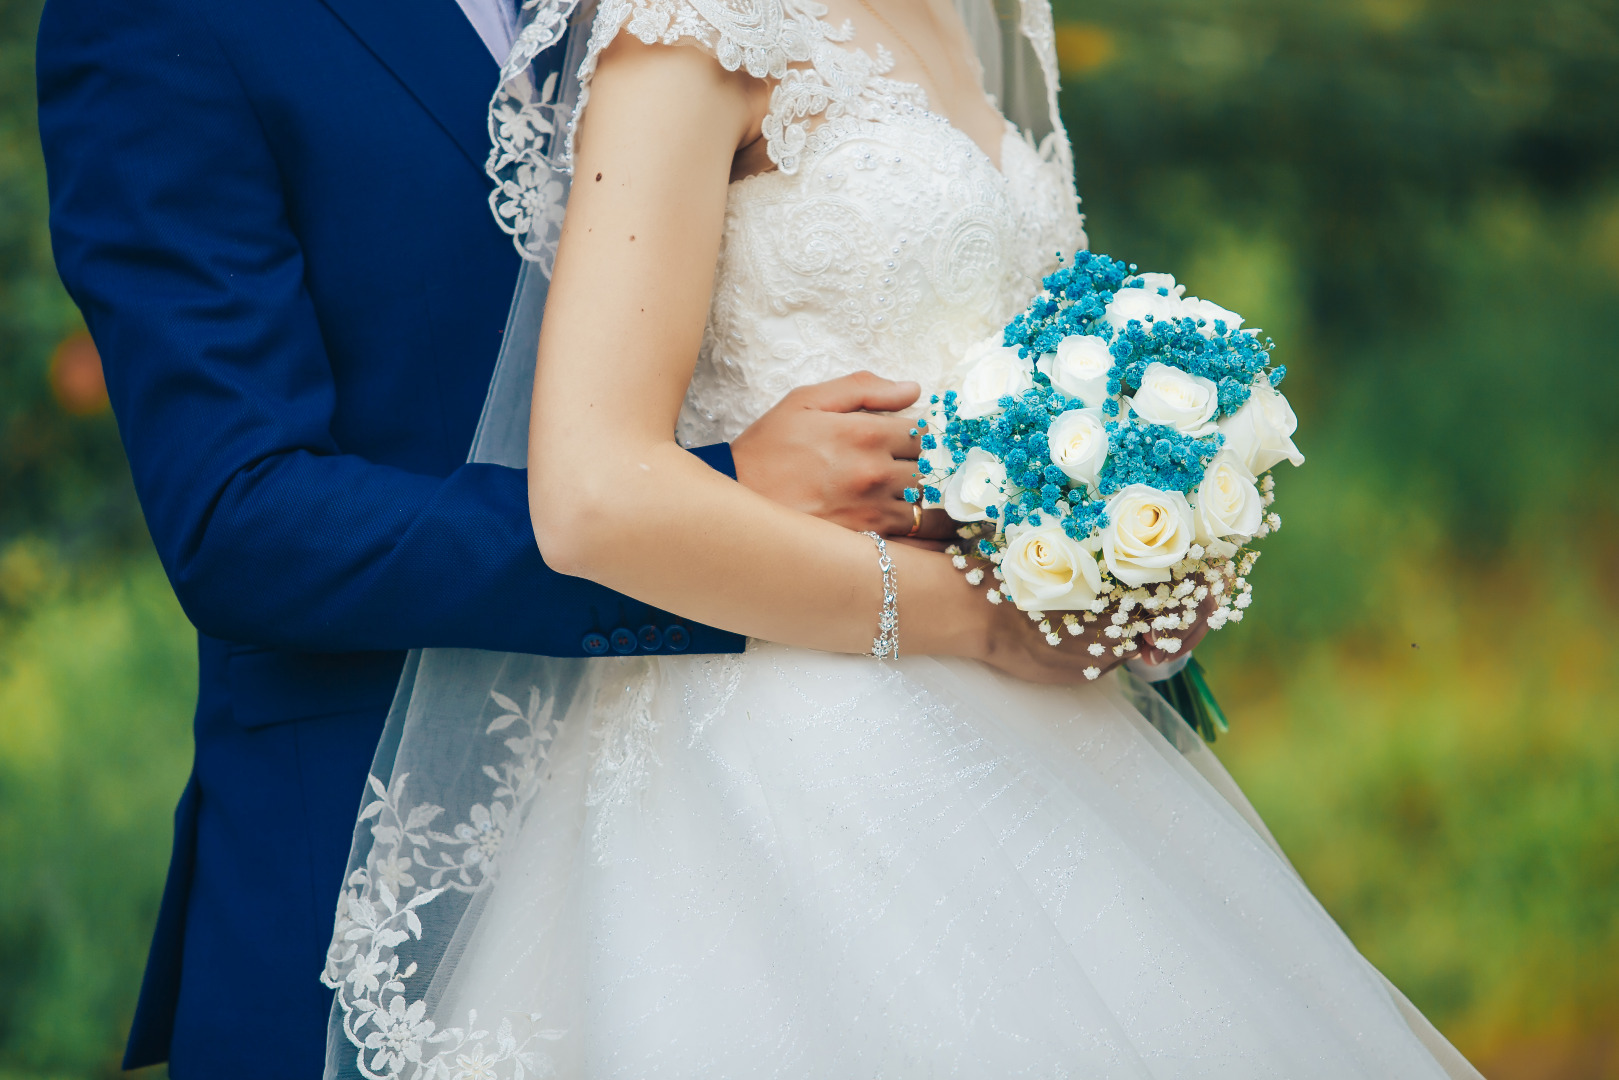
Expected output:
{"points": [[1009, 131]]}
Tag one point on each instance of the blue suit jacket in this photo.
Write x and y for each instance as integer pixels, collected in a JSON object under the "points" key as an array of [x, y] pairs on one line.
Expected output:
{"points": [[273, 216]]}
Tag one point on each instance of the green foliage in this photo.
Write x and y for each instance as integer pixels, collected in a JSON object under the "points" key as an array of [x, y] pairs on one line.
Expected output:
{"points": [[59, 474], [96, 687], [1420, 200]]}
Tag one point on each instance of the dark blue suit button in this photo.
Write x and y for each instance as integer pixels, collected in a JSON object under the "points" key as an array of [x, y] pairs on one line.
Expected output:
{"points": [[624, 642], [595, 643], [651, 638], [676, 638]]}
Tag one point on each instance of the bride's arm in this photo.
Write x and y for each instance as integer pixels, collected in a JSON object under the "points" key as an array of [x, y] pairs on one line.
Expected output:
{"points": [[613, 497]]}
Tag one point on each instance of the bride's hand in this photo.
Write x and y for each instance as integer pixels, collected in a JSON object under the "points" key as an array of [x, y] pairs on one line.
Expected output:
{"points": [[938, 606], [830, 450], [1019, 648], [1149, 650]]}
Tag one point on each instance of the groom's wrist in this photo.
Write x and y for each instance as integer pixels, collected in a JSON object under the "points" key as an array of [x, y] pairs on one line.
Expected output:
{"points": [[716, 456]]}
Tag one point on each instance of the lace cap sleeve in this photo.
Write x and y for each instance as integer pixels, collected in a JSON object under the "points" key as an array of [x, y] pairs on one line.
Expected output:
{"points": [[533, 119], [761, 37]]}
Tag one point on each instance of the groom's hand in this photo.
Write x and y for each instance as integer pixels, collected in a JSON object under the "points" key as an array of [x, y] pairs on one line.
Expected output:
{"points": [[829, 450]]}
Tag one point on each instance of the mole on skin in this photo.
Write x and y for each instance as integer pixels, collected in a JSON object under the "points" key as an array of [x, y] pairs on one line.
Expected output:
{"points": [[598, 176]]}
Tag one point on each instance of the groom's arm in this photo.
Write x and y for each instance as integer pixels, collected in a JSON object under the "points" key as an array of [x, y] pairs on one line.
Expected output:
{"points": [[171, 233]]}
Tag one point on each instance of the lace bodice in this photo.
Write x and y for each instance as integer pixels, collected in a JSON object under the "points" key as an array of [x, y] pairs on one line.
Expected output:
{"points": [[885, 239], [895, 245]]}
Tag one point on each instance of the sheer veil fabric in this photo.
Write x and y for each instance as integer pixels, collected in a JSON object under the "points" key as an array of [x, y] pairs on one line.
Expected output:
{"points": [[790, 864]]}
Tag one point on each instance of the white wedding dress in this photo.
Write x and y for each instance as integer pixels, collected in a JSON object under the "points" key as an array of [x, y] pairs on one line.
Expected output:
{"points": [[798, 865]]}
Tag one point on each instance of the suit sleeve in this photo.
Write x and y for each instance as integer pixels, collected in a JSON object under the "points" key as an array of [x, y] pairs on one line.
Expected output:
{"points": [[171, 233]]}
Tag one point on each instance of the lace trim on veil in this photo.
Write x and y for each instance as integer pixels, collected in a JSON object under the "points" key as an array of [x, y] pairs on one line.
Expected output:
{"points": [[395, 917], [413, 861]]}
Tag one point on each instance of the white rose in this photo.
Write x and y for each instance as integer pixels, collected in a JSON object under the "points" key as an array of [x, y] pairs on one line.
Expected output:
{"points": [[1260, 434], [1153, 282], [1195, 308], [978, 483], [1171, 397], [1079, 368], [1078, 442], [1148, 531], [1047, 570], [993, 371], [1228, 505], [1130, 304]]}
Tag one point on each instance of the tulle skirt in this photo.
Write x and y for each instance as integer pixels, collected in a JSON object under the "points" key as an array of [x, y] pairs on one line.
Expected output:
{"points": [[792, 864]]}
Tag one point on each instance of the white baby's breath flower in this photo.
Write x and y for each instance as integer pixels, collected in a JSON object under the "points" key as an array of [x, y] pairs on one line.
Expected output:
{"points": [[1093, 673]]}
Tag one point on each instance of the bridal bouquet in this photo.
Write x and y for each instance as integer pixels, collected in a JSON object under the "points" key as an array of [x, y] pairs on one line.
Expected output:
{"points": [[1111, 451]]}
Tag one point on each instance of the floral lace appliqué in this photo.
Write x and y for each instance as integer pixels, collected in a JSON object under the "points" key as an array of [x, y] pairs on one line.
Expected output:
{"points": [[380, 914]]}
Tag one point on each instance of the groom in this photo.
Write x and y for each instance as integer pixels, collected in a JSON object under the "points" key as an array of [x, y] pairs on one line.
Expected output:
{"points": [[273, 215]]}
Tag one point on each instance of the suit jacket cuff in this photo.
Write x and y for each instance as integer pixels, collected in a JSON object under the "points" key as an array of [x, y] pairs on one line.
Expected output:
{"points": [[718, 458]]}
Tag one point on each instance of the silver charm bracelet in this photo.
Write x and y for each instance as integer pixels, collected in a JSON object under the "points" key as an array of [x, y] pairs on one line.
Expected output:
{"points": [[885, 646]]}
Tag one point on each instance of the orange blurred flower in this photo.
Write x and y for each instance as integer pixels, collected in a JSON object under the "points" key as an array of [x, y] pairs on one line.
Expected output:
{"points": [[76, 377], [1084, 48]]}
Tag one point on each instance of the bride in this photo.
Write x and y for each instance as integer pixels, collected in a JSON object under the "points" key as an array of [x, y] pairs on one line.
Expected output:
{"points": [[804, 861]]}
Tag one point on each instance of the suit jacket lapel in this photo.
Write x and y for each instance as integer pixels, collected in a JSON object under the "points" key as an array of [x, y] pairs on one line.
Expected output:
{"points": [[432, 49]]}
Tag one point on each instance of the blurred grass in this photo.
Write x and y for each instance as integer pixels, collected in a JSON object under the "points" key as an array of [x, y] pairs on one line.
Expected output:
{"points": [[1419, 199], [97, 679]]}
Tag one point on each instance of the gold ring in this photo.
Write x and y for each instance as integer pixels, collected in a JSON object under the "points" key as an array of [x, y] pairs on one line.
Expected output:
{"points": [[916, 513]]}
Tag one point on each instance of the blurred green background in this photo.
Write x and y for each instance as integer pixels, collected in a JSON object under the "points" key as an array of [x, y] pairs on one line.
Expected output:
{"points": [[1418, 200]]}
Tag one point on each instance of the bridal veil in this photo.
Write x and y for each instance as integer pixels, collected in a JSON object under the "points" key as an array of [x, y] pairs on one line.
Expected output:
{"points": [[466, 745]]}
